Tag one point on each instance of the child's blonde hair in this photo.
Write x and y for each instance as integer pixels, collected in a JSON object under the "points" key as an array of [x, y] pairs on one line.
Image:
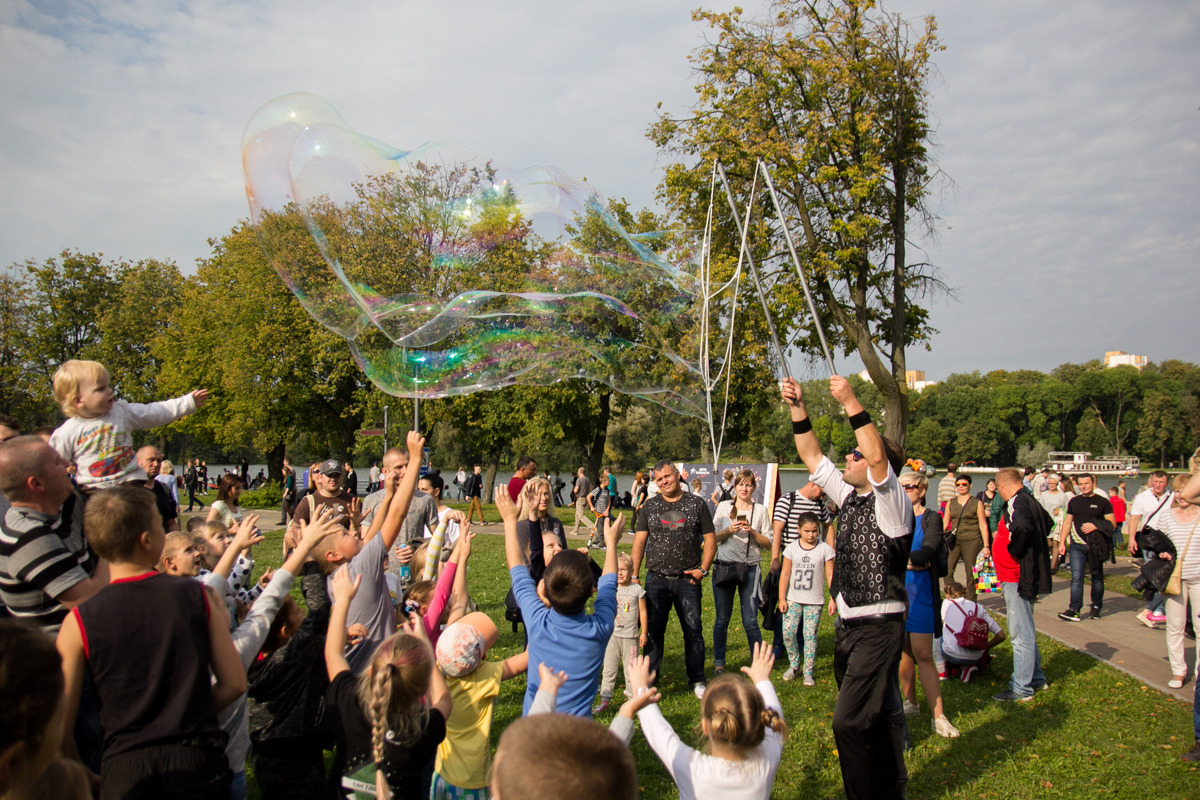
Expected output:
{"points": [[625, 560], [391, 690], [416, 565], [175, 544], [736, 714], [67, 379]]}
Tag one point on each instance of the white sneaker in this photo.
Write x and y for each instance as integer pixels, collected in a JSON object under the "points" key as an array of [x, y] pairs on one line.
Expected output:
{"points": [[808, 681], [790, 674], [911, 709], [698, 690], [943, 728]]}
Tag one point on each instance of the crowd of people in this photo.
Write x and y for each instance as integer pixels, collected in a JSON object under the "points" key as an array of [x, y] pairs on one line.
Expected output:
{"points": [[150, 658]]}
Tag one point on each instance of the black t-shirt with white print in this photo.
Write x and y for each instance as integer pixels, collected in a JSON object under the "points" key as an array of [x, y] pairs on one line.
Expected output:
{"points": [[676, 533]]}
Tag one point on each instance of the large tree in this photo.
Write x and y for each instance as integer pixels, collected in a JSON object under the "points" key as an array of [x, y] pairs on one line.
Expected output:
{"points": [[832, 96]]}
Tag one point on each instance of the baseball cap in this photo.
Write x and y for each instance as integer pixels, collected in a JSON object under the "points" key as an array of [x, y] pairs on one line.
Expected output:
{"points": [[331, 467]]}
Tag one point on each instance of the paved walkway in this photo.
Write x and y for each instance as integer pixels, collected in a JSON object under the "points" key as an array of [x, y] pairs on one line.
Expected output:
{"points": [[1117, 638]]}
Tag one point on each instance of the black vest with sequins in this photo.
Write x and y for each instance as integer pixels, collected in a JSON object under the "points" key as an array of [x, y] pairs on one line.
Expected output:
{"points": [[870, 566]]}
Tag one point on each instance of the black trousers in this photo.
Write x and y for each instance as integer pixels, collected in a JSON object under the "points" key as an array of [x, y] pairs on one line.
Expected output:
{"points": [[298, 773], [868, 721], [175, 771]]}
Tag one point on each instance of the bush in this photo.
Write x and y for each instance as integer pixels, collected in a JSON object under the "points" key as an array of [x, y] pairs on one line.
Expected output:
{"points": [[269, 495]]}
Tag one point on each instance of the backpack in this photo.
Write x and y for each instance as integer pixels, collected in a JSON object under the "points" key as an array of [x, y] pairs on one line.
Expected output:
{"points": [[975, 632]]}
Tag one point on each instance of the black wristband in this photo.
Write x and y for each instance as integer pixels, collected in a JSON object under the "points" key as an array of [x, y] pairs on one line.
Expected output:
{"points": [[860, 420], [801, 426]]}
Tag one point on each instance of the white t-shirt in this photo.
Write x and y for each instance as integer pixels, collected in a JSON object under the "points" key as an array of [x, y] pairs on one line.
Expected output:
{"points": [[806, 584], [1144, 505], [954, 616]]}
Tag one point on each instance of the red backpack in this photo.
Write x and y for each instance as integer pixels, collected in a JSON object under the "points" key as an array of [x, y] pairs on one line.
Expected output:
{"points": [[975, 631]]}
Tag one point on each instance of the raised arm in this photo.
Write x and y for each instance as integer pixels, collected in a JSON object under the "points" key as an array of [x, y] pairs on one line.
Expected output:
{"points": [[807, 446], [335, 639], [246, 537], [226, 664], [404, 493], [512, 543], [612, 535], [870, 443], [1191, 492]]}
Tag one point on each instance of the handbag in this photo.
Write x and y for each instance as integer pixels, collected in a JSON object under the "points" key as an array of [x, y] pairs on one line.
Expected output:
{"points": [[1175, 584], [985, 575], [732, 573]]}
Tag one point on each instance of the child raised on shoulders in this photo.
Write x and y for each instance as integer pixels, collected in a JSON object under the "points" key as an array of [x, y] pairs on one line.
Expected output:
{"points": [[96, 436], [564, 634], [161, 735]]}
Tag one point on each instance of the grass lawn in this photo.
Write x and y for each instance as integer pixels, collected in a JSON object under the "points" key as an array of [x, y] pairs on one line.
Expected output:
{"points": [[1095, 733]]}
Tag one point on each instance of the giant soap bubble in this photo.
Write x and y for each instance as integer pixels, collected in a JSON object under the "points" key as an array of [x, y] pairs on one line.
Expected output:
{"points": [[448, 274]]}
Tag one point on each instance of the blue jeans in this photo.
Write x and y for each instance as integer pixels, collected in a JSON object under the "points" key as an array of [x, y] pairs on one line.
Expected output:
{"points": [[686, 597], [1027, 659], [1078, 553], [723, 603]]}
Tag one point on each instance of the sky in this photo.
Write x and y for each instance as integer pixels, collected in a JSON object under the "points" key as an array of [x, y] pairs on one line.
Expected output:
{"points": [[1069, 134]]}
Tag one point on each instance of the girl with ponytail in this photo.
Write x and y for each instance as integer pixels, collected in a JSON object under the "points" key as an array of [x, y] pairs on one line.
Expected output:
{"points": [[743, 724], [393, 717]]}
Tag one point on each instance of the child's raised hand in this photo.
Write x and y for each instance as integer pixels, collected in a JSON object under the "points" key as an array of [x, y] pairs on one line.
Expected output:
{"points": [[266, 577], [640, 676], [344, 589], [416, 627], [355, 513], [200, 396], [550, 681], [612, 529], [464, 542], [455, 515], [760, 666], [315, 530], [356, 633], [505, 505], [640, 700], [248, 534]]}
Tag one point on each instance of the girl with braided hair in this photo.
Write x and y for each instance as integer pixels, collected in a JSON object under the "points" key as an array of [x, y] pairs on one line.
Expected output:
{"points": [[391, 719], [743, 723]]}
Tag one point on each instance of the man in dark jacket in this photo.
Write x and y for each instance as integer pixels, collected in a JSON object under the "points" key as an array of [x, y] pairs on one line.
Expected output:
{"points": [[1022, 558]]}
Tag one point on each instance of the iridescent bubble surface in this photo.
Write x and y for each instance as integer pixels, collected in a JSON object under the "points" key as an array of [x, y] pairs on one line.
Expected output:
{"points": [[448, 273]]}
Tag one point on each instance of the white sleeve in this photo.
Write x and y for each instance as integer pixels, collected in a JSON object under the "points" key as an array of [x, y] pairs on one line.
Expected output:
{"points": [[248, 638], [770, 699], [63, 440], [665, 743], [829, 478], [151, 415], [893, 510]]}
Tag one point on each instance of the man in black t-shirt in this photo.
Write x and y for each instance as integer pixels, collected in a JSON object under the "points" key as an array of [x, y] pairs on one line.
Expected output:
{"points": [[1084, 513], [329, 492], [675, 534], [149, 458]]}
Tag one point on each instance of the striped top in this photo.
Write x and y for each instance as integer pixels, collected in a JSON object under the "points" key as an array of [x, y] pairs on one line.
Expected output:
{"points": [[42, 556], [788, 510]]}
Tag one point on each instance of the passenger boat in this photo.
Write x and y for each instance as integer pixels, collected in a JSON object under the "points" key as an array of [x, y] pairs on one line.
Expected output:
{"points": [[1067, 463]]}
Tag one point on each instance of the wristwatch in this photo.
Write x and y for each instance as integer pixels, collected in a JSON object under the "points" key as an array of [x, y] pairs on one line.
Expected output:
{"points": [[703, 572]]}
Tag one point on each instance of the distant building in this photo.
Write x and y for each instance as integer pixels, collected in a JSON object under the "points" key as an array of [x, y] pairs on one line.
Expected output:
{"points": [[1118, 358], [914, 378]]}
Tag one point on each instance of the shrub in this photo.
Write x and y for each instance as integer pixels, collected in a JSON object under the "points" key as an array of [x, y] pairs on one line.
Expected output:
{"points": [[269, 495]]}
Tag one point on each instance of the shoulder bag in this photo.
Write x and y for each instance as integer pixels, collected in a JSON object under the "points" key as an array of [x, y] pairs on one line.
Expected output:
{"points": [[727, 574], [1175, 584]]}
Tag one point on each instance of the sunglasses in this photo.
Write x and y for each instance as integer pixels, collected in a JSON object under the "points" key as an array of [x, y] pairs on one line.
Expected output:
{"points": [[964, 483], [909, 487], [857, 456]]}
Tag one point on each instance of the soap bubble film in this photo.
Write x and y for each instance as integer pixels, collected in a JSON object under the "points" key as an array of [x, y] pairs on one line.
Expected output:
{"points": [[448, 274]]}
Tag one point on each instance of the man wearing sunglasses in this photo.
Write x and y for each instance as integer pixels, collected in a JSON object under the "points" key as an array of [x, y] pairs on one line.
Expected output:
{"points": [[874, 536]]}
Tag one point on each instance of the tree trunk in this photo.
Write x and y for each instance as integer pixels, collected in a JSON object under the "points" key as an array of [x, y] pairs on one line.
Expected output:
{"points": [[275, 462], [595, 453]]}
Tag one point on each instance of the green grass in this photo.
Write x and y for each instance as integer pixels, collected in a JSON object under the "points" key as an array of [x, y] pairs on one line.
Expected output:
{"points": [[1095, 733]]}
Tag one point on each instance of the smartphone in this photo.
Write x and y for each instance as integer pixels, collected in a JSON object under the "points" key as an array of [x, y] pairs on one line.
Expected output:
{"points": [[741, 517]]}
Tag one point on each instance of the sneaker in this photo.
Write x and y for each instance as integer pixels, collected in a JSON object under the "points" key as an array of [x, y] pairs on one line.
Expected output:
{"points": [[944, 729], [1175, 683], [790, 674], [1094, 613], [911, 709], [1069, 615], [1192, 755], [698, 690], [808, 681], [943, 675], [1144, 617], [1008, 696], [601, 707], [1157, 617], [718, 668], [968, 673]]}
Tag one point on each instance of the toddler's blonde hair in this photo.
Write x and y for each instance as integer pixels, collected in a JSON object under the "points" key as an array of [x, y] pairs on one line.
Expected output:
{"points": [[67, 379]]}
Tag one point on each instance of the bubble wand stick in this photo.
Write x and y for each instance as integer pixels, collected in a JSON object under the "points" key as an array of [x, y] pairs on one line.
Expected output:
{"points": [[762, 298], [787, 234]]}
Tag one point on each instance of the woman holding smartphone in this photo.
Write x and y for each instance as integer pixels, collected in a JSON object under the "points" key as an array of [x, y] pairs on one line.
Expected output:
{"points": [[742, 530]]}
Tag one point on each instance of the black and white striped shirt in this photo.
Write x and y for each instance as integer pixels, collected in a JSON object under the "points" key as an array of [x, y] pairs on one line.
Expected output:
{"points": [[788, 510], [42, 556]]}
